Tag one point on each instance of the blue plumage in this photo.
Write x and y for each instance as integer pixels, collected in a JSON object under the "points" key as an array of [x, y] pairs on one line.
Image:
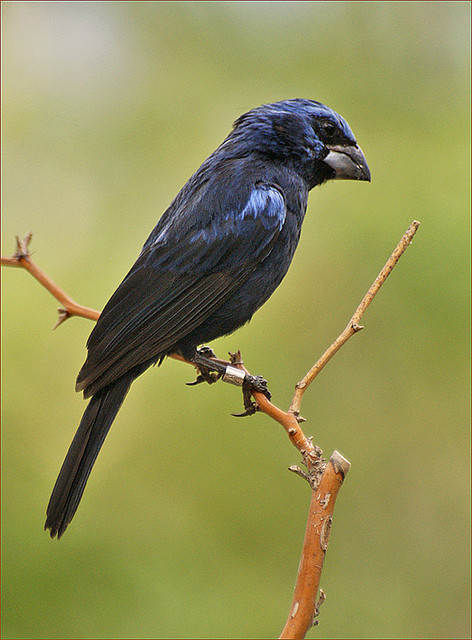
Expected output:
{"points": [[215, 256]]}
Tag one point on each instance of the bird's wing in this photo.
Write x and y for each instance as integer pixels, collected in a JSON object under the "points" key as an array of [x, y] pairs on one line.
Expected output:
{"points": [[177, 282]]}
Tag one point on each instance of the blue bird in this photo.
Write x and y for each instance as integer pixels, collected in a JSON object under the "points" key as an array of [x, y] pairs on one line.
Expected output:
{"points": [[215, 256]]}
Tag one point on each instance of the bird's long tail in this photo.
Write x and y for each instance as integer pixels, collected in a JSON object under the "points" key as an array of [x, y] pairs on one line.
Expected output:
{"points": [[94, 426]]}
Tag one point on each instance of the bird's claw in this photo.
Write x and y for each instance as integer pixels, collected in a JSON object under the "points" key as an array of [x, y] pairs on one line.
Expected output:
{"points": [[199, 379], [206, 351], [252, 383], [257, 383], [250, 411], [205, 375]]}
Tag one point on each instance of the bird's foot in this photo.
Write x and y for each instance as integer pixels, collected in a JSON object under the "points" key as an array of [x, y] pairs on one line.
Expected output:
{"points": [[250, 384], [204, 375], [209, 368], [206, 351]]}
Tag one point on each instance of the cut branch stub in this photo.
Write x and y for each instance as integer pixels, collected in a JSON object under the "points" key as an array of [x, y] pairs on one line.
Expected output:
{"points": [[305, 607]]}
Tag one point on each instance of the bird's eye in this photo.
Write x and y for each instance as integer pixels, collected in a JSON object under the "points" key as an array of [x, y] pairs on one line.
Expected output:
{"points": [[329, 129]]}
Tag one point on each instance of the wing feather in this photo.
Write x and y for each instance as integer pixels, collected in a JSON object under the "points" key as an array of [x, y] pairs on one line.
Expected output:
{"points": [[176, 284]]}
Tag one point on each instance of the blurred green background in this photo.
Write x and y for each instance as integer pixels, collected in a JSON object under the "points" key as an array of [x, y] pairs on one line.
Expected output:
{"points": [[191, 525]]}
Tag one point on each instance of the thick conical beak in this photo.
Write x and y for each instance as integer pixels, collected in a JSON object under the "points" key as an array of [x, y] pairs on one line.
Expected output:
{"points": [[348, 163]]}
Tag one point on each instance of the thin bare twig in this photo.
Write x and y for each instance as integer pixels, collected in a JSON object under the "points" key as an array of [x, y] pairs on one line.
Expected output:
{"points": [[22, 258], [353, 325]]}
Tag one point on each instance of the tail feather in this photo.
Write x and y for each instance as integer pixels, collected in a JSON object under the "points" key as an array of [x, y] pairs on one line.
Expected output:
{"points": [[94, 426]]}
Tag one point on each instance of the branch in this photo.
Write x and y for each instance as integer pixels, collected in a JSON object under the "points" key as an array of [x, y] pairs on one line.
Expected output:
{"points": [[353, 324], [70, 308], [22, 258], [325, 479], [304, 609], [290, 419]]}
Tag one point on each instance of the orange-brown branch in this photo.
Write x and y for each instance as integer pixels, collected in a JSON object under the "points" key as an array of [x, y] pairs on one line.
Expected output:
{"points": [[22, 258], [325, 480], [318, 527]]}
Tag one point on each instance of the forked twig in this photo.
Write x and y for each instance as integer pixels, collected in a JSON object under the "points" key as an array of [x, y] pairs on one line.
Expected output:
{"points": [[325, 479]]}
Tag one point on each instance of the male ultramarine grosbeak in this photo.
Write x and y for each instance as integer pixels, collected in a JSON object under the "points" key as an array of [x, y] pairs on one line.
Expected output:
{"points": [[215, 256]]}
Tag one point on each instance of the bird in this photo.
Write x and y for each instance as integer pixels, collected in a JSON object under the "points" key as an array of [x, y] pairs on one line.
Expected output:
{"points": [[215, 256]]}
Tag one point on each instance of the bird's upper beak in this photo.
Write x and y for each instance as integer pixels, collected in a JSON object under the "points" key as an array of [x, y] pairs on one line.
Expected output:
{"points": [[348, 162]]}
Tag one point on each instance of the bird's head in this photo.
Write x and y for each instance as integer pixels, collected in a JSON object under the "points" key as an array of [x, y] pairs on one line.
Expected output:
{"points": [[317, 142]]}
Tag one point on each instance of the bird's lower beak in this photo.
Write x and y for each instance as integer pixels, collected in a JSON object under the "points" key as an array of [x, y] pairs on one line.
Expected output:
{"points": [[348, 163]]}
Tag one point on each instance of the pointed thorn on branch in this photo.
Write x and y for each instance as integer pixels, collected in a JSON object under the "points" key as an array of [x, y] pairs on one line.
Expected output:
{"points": [[294, 468], [63, 315]]}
